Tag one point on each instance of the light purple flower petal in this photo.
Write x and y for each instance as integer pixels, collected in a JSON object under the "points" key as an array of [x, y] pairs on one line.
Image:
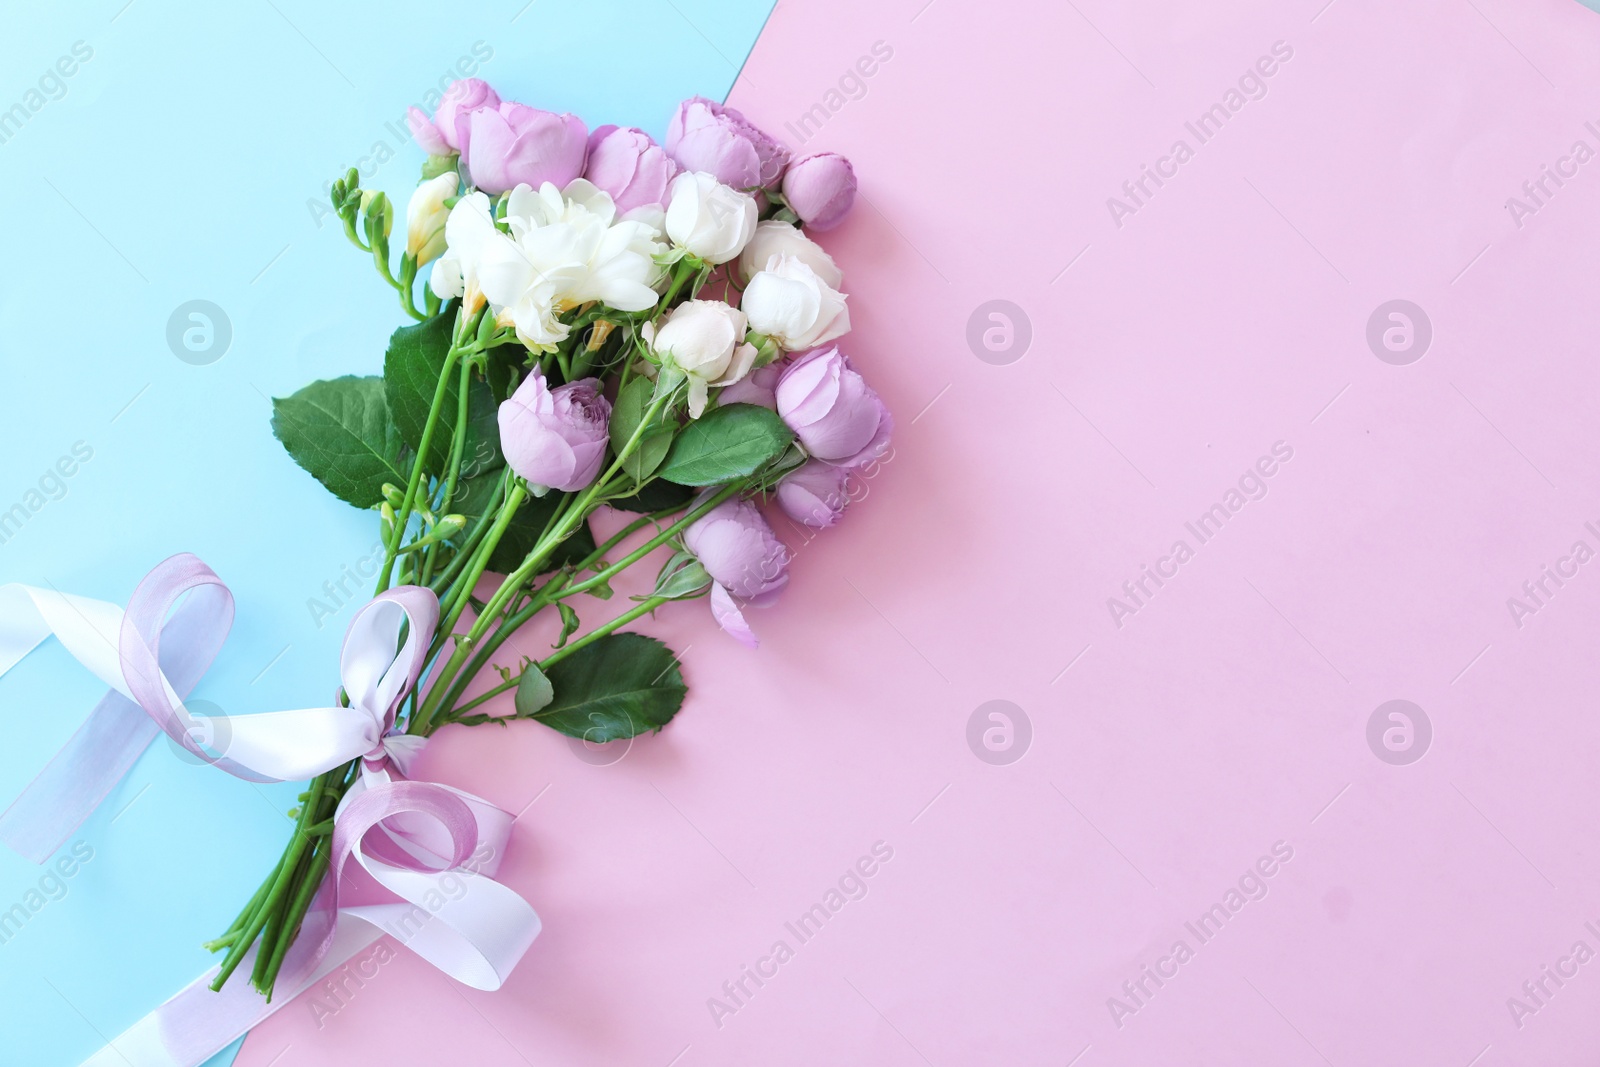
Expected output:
{"points": [[730, 618]]}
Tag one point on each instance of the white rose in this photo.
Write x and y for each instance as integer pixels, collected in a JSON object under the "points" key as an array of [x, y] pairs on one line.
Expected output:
{"points": [[790, 304], [705, 340], [773, 238], [425, 218], [709, 219]]}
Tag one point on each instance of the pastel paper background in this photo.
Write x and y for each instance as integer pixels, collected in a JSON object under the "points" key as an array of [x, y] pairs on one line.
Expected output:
{"points": [[179, 164], [1163, 759]]}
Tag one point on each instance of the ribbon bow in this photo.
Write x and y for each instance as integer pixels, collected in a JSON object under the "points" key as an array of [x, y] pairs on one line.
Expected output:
{"points": [[418, 840]]}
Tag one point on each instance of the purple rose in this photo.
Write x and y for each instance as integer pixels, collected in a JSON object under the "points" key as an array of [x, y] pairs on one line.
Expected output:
{"points": [[628, 165], [512, 144], [744, 558], [832, 409], [815, 494], [556, 437], [756, 388], [705, 136], [821, 189], [462, 98], [738, 549]]}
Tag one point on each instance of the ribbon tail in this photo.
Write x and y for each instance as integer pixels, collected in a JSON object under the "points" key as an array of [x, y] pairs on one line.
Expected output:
{"points": [[196, 1024], [73, 784]]}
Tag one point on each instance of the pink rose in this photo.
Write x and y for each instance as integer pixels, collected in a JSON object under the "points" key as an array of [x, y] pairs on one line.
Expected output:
{"points": [[821, 189], [514, 144], [832, 410], [745, 559], [461, 98], [815, 494], [556, 437], [628, 165], [705, 136]]}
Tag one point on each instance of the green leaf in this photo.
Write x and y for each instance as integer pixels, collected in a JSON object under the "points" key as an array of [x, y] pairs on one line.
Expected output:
{"points": [[569, 622], [656, 495], [681, 578], [526, 526], [633, 403], [725, 443], [533, 691], [411, 370], [341, 432], [617, 687]]}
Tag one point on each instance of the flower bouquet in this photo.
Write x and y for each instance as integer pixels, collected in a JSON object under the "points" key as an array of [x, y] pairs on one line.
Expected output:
{"points": [[604, 322]]}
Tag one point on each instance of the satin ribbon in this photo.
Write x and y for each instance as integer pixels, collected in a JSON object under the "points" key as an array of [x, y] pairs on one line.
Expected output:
{"points": [[433, 847]]}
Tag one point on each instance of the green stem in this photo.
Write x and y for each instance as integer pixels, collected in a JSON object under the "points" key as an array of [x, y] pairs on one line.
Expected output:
{"points": [[644, 608], [680, 274], [403, 516], [458, 441], [269, 906], [556, 590], [651, 545], [483, 698], [490, 513]]}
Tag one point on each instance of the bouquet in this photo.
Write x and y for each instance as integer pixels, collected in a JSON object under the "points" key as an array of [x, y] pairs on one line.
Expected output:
{"points": [[599, 321]]}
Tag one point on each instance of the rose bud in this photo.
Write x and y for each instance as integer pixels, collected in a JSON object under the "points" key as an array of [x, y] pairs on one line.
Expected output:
{"points": [[821, 189], [426, 216], [628, 165], [709, 219], [705, 340], [745, 559], [815, 494], [555, 438], [790, 304], [461, 99], [832, 410], [704, 135], [515, 144], [774, 238]]}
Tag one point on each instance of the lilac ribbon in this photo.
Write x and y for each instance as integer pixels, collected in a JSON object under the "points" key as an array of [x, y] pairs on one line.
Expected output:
{"points": [[407, 835]]}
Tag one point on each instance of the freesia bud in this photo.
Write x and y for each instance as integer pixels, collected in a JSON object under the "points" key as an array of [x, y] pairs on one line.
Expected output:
{"points": [[426, 216]]}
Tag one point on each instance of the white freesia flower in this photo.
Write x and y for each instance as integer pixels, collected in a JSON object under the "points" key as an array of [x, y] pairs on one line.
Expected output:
{"points": [[705, 340], [708, 219], [426, 216], [469, 234], [774, 238], [790, 304], [567, 249]]}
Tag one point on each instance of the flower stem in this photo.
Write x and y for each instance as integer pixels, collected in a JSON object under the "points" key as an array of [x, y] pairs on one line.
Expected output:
{"points": [[403, 515]]}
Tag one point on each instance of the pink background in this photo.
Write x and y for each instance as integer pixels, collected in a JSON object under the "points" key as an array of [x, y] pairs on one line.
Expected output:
{"points": [[1230, 712]]}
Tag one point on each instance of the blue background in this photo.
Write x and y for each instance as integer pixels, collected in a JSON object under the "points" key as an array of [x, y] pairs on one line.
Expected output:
{"points": [[178, 163]]}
